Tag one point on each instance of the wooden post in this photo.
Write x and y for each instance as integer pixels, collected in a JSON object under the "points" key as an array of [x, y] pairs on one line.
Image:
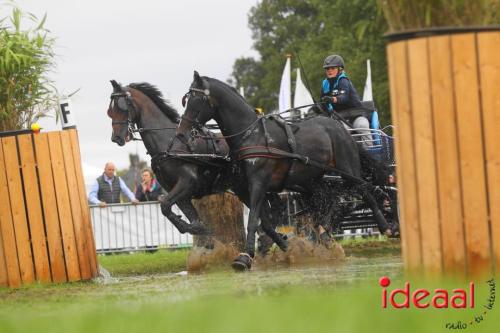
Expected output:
{"points": [[45, 228], [223, 215], [445, 106]]}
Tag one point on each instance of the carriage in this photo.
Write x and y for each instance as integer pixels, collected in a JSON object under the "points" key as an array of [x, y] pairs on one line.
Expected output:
{"points": [[354, 213]]}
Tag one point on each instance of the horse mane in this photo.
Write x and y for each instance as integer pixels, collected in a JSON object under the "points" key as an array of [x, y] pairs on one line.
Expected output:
{"points": [[157, 97], [228, 88]]}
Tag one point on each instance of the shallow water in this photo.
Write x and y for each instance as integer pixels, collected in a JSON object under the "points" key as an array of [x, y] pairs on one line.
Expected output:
{"points": [[352, 271], [303, 265], [264, 278]]}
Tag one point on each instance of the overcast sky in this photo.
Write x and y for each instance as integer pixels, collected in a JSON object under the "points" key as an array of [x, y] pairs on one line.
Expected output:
{"points": [[160, 42]]}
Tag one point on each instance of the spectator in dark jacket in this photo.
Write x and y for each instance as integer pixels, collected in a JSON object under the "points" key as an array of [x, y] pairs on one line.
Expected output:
{"points": [[108, 187], [149, 189]]}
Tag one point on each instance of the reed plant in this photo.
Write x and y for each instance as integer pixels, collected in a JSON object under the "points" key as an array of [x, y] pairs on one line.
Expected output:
{"points": [[404, 15], [26, 61]]}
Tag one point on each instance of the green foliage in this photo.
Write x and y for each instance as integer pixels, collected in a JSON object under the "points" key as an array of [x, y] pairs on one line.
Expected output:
{"points": [[313, 29], [26, 58], [415, 14]]}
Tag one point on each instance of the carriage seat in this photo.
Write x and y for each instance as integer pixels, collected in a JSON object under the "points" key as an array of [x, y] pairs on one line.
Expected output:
{"points": [[366, 110], [369, 105]]}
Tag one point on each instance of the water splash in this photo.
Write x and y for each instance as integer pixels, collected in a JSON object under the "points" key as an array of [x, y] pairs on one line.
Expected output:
{"points": [[202, 259], [301, 251]]}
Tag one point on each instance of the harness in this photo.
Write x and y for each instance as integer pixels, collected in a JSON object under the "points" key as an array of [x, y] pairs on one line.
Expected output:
{"points": [[124, 103], [267, 151]]}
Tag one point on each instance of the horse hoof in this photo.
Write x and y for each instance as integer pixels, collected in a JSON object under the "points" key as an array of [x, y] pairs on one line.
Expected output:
{"points": [[198, 229], [243, 262], [394, 232]]}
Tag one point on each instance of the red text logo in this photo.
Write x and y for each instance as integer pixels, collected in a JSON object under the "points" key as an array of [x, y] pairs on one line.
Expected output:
{"points": [[423, 298]]}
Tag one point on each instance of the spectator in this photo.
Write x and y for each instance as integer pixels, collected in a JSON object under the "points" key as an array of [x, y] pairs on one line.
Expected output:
{"points": [[108, 187], [149, 189]]}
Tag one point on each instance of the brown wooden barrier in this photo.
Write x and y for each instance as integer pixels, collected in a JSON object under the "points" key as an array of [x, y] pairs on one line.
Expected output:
{"points": [[223, 215], [445, 105], [45, 228]]}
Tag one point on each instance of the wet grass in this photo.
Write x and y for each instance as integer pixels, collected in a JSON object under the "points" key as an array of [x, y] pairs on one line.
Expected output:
{"points": [[307, 300], [341, 297], [162, 261], [371, 246], [171, 261]]}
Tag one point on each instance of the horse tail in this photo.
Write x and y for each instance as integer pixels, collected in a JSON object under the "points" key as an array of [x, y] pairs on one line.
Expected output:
{"points": [[372, 169]]}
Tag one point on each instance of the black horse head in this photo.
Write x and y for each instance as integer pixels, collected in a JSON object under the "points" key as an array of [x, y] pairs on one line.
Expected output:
{"points": [[209, 98], [200, 106], [122, 112]]}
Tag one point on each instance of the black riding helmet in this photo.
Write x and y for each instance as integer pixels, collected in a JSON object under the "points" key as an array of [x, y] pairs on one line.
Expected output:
{"points": [[333, 60]]}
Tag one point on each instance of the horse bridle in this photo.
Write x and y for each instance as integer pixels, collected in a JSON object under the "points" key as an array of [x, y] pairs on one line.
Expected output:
{"points": [[127, 107], [196, 126]]}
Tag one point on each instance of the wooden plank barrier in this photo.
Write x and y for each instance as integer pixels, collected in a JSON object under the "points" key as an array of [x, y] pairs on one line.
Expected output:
{"points": [[446, 108], [45, 228]]}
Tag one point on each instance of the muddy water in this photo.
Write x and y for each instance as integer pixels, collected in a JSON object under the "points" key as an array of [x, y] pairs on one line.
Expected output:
{"points": [[304, 264], [301, 251]]}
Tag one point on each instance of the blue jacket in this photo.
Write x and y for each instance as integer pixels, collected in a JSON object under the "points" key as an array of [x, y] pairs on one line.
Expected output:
{"points": [[347, 96]]}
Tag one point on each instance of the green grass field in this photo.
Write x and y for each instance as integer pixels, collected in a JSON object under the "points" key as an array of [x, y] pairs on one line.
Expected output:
{"points": [[144, 296], [162, 261]]}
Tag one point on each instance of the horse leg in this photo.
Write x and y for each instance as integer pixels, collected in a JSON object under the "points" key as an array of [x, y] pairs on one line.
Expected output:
{"points": [[257, 197], [267, 236], [324, 237], [267, 219], [180, 191], [382, 224], [188, 209]]}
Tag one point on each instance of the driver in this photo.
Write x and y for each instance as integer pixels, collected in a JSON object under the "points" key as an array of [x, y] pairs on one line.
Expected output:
{"points": [[339, 94]]}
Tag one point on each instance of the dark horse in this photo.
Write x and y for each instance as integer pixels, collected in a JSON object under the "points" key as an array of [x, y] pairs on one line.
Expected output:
{"points": [[184, 177], [268, 156]]}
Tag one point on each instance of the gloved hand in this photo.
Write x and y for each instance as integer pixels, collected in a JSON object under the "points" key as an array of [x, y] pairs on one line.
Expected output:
{"points": [[327, 99]]}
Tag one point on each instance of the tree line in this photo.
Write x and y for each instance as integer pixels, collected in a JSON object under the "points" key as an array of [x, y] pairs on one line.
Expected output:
{"points": [[312, 30]]}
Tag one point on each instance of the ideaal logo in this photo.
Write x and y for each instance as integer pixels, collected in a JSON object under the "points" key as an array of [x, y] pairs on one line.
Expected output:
{"points": [[439, 298]]}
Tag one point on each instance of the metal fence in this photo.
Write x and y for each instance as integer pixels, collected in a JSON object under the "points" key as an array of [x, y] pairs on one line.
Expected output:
{"points": [[142, 227], [127, 228]]}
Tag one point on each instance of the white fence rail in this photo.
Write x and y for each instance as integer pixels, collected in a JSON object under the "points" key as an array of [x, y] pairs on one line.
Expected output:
{"points": [[127, 227]]}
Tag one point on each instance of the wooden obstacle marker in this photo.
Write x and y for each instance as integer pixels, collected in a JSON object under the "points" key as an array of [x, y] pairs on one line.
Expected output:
{"points": [[446, 110], [45, 228]]}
